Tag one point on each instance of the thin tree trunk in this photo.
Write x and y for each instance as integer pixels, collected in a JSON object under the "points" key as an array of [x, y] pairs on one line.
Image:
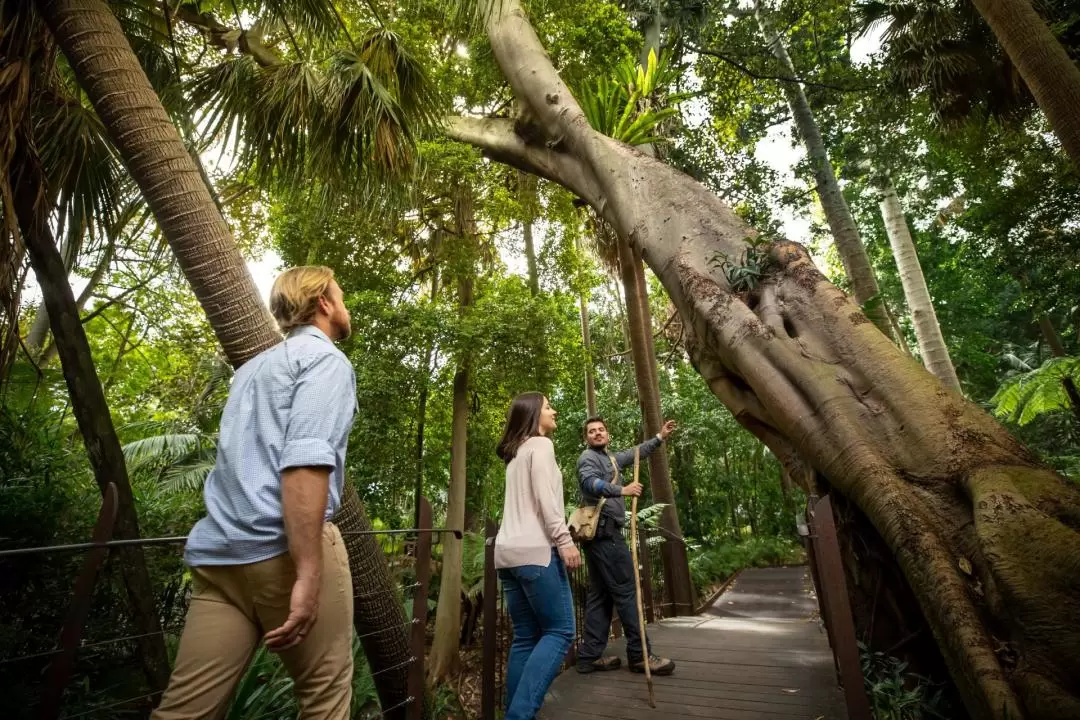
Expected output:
{"points": [[88, 403], [159, 162], [171, 182], [802, 368], [645, 373], [39, 330], [530, 258], [1049, 333], [1047, 70], [586, 343], [935, 354], [421, 412], [842, 225], [87, 292], [446, 643], [526, 190]]}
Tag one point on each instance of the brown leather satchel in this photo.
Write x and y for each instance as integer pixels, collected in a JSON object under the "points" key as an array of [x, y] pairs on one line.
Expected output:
{"points": [[585, 519]]}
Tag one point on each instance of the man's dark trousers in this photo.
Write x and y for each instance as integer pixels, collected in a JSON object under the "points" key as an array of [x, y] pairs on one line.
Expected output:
{"points": [[611, 586]]}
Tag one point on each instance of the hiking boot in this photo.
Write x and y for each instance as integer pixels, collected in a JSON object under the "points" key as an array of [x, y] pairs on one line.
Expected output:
{"points": [[657, 666], [608, 662]]}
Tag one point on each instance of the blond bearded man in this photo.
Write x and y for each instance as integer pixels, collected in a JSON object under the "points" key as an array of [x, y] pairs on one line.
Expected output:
{"points": [[266, 563]]}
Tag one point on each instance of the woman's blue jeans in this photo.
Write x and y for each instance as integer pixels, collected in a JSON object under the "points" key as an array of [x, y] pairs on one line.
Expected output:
{"points": [[542, 610]]}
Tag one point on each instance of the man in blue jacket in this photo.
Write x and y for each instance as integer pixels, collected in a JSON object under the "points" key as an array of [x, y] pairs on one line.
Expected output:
{"points": [[611, 567]]}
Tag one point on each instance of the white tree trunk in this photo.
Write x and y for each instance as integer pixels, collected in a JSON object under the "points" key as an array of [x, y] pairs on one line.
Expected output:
{"points": [[841, 223], [935, 354]]}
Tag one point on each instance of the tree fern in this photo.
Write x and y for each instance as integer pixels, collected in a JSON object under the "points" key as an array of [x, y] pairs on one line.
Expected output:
{"points": [[1026, 396]]}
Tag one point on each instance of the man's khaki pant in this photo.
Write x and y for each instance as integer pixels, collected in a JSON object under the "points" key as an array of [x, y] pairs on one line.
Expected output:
{"points": [[233, 606]]}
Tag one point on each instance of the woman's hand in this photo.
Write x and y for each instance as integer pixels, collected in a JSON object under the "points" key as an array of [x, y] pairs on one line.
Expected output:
{"points": [[571, 557]]}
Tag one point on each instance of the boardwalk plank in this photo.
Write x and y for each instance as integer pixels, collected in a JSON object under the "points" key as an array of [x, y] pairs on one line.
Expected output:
{"points": [[759, 653]]}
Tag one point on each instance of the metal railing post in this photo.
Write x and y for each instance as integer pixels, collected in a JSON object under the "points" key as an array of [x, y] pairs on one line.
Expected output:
{"points": [[491, 629], [60, 668], [420, 611], [837, 609]]}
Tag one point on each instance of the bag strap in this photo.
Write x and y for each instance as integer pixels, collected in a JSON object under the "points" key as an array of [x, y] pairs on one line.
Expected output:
{"points": [[615, 467]]}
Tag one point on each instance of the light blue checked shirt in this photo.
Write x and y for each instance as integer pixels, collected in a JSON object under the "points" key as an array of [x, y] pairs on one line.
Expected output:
{"points": [[290, 406]]}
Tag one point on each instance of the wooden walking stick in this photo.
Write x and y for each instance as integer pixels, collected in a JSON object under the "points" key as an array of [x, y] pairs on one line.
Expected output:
{"points": [[637, 580]]}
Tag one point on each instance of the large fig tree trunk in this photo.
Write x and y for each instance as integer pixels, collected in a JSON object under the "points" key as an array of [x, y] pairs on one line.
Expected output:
{"points": [[168, 177], [799, 364], [935, 354]]}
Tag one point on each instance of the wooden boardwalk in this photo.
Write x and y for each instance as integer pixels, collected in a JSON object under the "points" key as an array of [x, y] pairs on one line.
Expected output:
{"points": [[758, 653]]}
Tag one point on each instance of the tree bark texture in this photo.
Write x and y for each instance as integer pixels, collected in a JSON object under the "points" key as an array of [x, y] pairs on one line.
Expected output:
{"points": [[935, 354], [801, 366], [841, 223], [153, 152], [109, 72], [88, 403], [647, 378], [447, 641], [1045, 66]]}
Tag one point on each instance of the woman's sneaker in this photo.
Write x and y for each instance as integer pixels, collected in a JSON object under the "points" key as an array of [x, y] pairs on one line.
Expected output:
{"points": [[657, 666], [608, 662]]}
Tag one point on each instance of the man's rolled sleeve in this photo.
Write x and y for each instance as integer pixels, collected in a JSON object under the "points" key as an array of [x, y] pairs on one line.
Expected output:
{"points": [[603, 488], [323, 402]]}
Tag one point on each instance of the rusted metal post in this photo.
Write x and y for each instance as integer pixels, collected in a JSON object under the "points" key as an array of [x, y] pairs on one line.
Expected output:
{"points": [[60, 668], [415, 710], [837, 610], [491, 625]]}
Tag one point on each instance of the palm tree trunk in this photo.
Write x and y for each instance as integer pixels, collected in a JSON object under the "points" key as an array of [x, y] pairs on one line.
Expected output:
{"points": [[159, 162], [842, 225], [171, 182], [935, 354], [88, 403], [1047, 70], [645, 374]]}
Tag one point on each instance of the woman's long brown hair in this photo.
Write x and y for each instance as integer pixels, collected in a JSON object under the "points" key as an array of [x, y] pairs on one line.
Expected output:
{"points": [[522, 423]]}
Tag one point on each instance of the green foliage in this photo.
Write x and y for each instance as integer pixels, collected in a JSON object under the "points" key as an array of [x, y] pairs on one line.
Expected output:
{"points": [[747, 272], [1026, 396], [897, 694], [267, 690], [712, 564], [621, 107]]}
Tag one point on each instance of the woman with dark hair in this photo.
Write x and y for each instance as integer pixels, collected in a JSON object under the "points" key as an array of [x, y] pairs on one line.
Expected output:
{"points": [[532, 553]]}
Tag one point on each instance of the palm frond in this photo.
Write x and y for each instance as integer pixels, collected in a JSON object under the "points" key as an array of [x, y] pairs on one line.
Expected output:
{"points": [[315, 17], [341, 121], [186, 477], [161, 449]]}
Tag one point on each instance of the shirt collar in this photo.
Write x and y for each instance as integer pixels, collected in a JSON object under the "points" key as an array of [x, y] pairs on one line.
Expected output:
{"points": [[310, 330]]}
